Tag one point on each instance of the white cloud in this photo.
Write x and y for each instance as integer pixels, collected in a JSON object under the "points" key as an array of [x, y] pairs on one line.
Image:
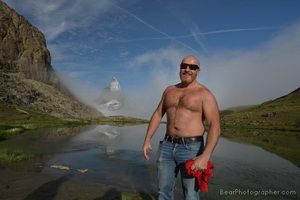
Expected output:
{"points": [[58, 16], [270, 71], [235, 77], [80, 89]]}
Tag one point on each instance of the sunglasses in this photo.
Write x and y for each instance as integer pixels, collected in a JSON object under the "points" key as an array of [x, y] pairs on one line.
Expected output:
{"points": [[191, 66]]}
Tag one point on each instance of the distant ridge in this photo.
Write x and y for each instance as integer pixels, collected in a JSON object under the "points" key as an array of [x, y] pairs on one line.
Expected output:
{"points": [[293, 96], [280, 113], [297, 92]]}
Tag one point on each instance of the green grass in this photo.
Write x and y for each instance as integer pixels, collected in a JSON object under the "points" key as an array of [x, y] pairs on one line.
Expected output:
{"points": [[8, 155], [119, 121], [280, 114], [130, 196], [8, 131], [136, 196]]}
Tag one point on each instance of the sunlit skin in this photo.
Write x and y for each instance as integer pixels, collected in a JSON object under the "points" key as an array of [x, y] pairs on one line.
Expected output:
{"points": [[186, 106]]}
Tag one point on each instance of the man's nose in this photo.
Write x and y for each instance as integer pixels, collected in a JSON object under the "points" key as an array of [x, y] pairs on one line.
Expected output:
{"points": [[188, 68]]}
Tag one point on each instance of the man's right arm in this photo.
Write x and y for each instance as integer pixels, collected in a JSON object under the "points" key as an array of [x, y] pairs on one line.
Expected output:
{"points": [[153, 125]]}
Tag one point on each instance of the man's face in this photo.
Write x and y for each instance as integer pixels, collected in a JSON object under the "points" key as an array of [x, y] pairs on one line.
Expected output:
{"points": [[189, 71]]}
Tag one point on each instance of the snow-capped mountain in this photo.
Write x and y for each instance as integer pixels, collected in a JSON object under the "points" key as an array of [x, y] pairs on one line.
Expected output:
{"points": [[111, 96], [112, 101], [113, 86]]}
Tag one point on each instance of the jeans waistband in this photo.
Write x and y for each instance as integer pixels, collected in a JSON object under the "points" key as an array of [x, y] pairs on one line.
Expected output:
{"points": [[183, 140]]}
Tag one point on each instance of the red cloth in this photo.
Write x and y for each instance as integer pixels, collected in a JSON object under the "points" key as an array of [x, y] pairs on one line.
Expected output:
{"points": [[201, 176]]}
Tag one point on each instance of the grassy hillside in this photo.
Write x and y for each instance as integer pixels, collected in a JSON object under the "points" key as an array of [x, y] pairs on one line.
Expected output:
{"points": [[273, 125], [282, 114]]}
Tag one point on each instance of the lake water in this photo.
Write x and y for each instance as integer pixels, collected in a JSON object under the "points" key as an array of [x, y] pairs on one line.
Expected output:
{"points": [[113, 156]]}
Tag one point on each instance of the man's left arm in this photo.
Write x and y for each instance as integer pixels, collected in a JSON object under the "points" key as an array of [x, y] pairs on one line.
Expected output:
{"points": [[211, 113]]}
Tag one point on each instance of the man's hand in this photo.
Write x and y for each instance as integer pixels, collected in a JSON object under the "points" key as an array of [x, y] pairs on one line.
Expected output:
{"points": [[146, 146], [200, 163]]}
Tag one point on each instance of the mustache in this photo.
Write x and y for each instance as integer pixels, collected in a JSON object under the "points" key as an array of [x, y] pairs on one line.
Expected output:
{"points": [[185, 72]]}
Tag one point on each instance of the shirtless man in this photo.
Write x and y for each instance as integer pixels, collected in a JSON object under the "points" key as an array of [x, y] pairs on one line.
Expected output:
{"points": [[186, 105]]}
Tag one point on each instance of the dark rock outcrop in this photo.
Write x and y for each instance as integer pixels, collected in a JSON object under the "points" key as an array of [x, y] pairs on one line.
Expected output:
{"points": [[23, 47], [27, 78]]}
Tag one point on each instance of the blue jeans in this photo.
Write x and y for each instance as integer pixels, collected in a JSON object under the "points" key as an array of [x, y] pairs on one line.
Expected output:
{"points": [[171, 159]]}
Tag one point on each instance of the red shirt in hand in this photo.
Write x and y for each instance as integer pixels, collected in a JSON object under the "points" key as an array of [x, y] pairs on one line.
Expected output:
{"points": [[201, 176]]}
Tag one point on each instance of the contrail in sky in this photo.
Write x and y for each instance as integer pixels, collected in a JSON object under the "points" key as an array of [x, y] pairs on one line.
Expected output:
{"points": [[226, 31], [207, 33], [183, 36], [152, 27]]}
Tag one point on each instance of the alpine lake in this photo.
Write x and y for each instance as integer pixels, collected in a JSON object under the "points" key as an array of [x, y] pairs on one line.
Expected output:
{"points": [[112, 155]]}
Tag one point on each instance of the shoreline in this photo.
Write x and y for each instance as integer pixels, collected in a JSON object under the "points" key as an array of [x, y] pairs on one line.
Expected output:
{"points": [[34, 185], [24, 180]]}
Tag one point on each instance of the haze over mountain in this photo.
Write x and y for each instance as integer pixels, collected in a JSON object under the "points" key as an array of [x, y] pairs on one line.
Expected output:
{"points": [[27, 78], [113, 101], [111, 97]]}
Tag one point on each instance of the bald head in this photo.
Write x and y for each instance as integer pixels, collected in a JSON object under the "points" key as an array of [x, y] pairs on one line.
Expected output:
{"points": [[191, 60]]}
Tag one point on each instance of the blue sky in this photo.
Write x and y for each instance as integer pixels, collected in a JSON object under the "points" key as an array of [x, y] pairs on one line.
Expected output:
{"points": [[249, 50]]}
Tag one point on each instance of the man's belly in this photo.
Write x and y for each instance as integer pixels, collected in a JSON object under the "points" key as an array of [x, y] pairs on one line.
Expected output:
{"points": [[185, 131], [184, 123]]}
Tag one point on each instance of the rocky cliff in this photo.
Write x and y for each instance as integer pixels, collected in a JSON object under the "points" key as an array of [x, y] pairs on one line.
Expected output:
{"points": [[26, 75]]}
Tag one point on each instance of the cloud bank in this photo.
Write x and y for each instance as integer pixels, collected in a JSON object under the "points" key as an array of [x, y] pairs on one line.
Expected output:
{"points": [[235, 77], [252, 77]]}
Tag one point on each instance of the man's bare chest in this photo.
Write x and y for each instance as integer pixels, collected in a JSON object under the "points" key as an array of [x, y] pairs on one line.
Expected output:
{"points": [[189, 100]]}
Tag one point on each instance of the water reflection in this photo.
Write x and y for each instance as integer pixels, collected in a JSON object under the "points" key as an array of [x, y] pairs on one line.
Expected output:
{"points": [[246, 167], [44, 140], [113, 156], [108, 136], [250, 155], [110, 132]]}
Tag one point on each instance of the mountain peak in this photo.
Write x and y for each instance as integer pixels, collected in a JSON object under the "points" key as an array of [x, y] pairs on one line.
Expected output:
{"points": [[111, 96], [113, 86]]}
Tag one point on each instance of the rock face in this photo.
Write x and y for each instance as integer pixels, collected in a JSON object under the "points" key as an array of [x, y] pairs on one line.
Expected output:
{"points": [[26, 75], [23, 47], [111, 96]]}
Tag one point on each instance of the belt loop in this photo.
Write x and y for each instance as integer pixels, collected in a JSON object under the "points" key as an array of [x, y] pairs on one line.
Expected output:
{"points": [[183, 141], [166, 137]]}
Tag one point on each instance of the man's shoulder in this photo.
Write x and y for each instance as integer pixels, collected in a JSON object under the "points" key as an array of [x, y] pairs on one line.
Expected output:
{"points": [[201, 88], [170, 87], [204, 91], [207, 95]]}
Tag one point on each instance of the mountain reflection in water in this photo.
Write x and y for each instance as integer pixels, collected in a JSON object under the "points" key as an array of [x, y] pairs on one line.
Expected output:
{"points": [[113, 156]]}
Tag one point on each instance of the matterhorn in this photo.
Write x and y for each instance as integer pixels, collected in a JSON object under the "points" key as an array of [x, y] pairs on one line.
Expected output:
{"points": [[111, 96]]}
